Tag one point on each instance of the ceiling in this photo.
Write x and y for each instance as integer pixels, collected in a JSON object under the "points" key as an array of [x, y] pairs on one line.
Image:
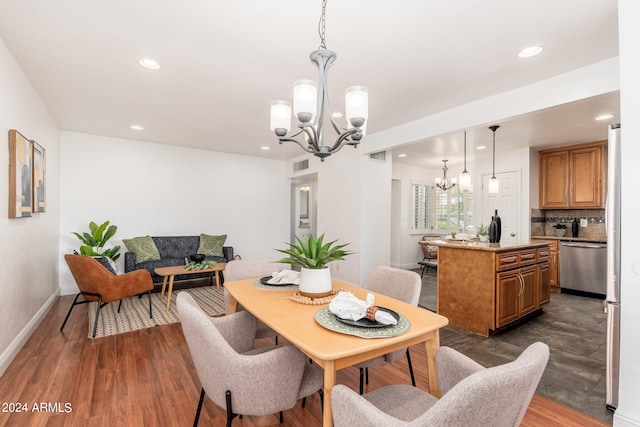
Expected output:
{"points": [[223, 62]]}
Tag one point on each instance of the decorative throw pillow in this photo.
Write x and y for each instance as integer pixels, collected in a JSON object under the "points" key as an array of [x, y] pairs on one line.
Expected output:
{"points": [[109, 264], [143, 247], [211, 245]]}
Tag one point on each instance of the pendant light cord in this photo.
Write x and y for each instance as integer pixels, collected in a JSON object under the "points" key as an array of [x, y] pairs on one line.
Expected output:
{"points": [[321, 26], [494, 128], [465, 152]]}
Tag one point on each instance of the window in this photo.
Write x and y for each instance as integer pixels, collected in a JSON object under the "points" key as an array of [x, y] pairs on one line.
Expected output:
{"points": [[420, 207], [434, 209]]}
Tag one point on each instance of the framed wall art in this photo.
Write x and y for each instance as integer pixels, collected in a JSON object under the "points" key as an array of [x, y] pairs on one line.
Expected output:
{"points": [[20, 175], [39, 182]]}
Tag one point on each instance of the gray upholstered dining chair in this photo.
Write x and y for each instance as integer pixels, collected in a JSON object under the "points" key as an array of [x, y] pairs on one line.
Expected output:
{"points": [[403, 285], [240, 269], [471, 395], [237, 377]]}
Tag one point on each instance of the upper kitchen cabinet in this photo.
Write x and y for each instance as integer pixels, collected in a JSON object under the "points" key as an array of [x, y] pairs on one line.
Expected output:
{"points": [[573, 177]]}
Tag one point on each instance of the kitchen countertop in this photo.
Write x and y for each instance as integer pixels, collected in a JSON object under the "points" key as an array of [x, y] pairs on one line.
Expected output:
{"points": [[474, 244], [571, 239]]}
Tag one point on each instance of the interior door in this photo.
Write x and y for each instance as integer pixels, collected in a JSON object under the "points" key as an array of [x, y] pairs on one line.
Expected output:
{"points": [[506, 202]]}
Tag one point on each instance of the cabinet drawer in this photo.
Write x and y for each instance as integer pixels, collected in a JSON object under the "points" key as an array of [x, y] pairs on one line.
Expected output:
{"points": [[543, 254], [528, 257], [507, 260]]}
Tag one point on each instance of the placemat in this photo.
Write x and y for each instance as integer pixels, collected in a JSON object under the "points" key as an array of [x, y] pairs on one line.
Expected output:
{"points": [[328, 320], [257, 284]]}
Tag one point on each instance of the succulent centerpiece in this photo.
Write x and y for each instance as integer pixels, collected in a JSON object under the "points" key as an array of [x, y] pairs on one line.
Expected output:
{"points": [[312, 256]]}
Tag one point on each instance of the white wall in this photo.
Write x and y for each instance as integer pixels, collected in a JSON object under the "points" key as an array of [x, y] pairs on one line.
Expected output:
{"points": [[628, 412], [28, 246], [163, 190]]}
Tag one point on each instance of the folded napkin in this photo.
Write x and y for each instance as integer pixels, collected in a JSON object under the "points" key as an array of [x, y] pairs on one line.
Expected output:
{"points": [[346, 306], [285, 276]]}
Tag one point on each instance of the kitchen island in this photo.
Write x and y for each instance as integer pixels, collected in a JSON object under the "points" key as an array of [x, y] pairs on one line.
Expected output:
{"points": [[483, 287]]}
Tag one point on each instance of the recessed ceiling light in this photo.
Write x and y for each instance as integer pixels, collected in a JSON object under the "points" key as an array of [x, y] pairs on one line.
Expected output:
{"points": [[530, 51], [604, 117], [265, 148], [149, 63], [402, 155], [336, 115], [137, 127], [481, 147]]}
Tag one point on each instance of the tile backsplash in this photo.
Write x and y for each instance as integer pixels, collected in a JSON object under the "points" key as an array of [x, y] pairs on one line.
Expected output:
{"points": [[543, 220]]}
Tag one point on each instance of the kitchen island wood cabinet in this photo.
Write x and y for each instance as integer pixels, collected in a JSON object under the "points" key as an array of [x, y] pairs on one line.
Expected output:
{"points": [[486, 286], [573, 177], [554, 263]]}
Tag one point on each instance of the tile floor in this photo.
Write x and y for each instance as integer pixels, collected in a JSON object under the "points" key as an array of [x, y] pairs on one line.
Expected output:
{"points": [[575, 330]]}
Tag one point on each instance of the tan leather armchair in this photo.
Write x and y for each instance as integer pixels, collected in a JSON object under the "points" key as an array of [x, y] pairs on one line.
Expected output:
{"points": [[96, 283]]}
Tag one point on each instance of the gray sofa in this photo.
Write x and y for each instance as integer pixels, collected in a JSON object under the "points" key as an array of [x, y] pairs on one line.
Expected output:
{"points": [[173, 250]]}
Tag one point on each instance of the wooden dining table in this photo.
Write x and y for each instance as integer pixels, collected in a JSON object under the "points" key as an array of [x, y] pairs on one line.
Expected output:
{"points": [[331, 350]]}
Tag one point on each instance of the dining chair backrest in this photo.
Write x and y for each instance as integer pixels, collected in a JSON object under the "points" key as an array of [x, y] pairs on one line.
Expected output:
{"points": [[240, 269], [221, 349], [403, 285]]}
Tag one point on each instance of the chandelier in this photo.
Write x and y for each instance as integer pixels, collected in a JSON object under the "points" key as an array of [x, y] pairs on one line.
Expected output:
{"points": [[444, 184], [311, 107]]}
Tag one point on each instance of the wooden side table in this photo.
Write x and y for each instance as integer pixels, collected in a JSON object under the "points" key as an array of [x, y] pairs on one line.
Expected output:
{"points": [[169, 274]]}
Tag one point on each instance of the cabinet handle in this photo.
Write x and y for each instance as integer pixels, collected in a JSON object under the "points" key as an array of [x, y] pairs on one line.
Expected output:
{"points": [[508, 260], [521, 284], [528, 256]]}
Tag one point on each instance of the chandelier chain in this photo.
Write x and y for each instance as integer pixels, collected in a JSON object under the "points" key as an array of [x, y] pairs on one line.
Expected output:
{"points": [[321, 26]]}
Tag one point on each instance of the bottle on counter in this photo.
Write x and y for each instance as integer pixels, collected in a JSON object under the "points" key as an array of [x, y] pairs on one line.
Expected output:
{"points": [[499, 226], [575, 227], [493, 230]]}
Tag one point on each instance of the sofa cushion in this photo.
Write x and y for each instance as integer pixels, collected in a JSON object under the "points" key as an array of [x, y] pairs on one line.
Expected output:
{"points": [[211, 245], [108, 263], [143, 247]]}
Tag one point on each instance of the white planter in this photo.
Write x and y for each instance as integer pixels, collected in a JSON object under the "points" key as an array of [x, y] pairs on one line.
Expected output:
{"points": [[560, 232], [484, 238], [315, 282]]}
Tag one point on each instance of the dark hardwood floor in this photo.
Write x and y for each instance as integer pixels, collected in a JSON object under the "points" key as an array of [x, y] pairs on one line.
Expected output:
{"points": [[147, 378]]}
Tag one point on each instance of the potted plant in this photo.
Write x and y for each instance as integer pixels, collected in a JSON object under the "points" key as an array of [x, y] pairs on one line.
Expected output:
{"points": [[483, 232], [93, 242], [313, 256], [561, 229]]}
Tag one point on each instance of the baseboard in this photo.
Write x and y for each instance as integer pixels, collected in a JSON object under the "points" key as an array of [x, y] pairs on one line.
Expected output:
{"points": [[16, 345], [621, 419]]}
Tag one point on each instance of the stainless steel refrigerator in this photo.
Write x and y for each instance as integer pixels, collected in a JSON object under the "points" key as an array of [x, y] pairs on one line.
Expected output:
{"points": [[613, 266]]}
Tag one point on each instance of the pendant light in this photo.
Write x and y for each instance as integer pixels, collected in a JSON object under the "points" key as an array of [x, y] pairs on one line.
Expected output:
{"points": [[465, 178], [494, 186]]}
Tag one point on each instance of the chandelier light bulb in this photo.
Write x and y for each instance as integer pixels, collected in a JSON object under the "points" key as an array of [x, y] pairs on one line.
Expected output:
{"points": [[280, 117], [305, 100]]}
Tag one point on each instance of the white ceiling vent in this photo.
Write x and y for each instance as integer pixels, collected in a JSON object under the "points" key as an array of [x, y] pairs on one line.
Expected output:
{"points": [[380, 155], [301, 165]]}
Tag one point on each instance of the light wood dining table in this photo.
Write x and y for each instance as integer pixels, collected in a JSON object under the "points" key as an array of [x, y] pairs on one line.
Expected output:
{"points": [[330, 350]]}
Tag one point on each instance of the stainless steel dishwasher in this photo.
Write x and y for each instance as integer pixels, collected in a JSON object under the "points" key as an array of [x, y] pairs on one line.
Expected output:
{"points": [[583, 268]]}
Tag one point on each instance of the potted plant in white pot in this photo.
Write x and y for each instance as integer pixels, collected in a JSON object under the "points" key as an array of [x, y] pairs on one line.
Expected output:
{"points": [[483, 232], [560, 229], [313, 256]]}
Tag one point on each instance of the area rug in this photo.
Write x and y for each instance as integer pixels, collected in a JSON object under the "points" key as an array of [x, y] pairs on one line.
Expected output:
{"points": [[134, 314]]}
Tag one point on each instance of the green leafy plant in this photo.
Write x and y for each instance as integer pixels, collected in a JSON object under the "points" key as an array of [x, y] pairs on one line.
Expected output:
{"points": [[94, 241], [195, 266], [482, 230], [560, 226], [313, 253]]}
